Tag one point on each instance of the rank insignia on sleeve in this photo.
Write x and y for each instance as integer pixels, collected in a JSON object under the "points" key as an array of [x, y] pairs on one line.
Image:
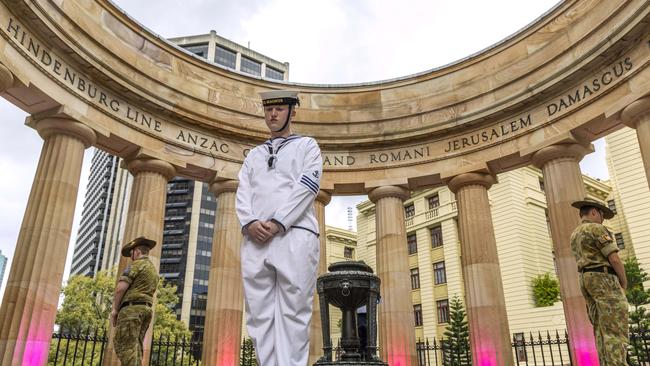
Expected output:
{"points": [[605, 238], [315, 173], [127, 270]]}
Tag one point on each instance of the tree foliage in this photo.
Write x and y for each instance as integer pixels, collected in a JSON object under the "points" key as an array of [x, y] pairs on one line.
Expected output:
{"points": [[636, 295], [546, 290], [456, 347], [86, 304]]}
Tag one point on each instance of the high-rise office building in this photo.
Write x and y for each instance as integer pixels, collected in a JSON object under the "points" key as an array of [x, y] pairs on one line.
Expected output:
{"points": [[101, 220], [187, 247]]}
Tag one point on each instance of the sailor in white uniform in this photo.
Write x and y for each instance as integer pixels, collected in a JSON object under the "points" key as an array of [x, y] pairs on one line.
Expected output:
{"points": [[278, 183]]}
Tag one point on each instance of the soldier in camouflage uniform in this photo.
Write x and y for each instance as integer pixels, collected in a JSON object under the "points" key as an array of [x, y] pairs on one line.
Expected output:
{"points": [[132, 305], [602, 281]]}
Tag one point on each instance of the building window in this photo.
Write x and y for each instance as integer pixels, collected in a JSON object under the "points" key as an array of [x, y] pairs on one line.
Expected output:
{"points": [[443, 311], [412, 241], [409, 211], [415, 278], [348, 252], [272, 73], [439, 274], [225, 57], [619, 240], [250, 66], [520, 347], [436, 237], [434, 201], [200, 50], [612, 205], [417, 312], [541, 185]]}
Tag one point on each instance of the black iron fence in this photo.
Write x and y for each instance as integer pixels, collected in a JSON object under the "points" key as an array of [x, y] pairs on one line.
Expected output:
{"points": [[77, 349], [550, 348]]}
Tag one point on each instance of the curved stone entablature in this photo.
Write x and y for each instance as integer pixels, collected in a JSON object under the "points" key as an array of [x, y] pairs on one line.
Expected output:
{"points": [[566, 77]]}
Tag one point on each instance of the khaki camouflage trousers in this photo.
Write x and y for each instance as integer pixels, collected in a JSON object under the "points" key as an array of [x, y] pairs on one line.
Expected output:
{"points": [[132, 324], [607, 308]]}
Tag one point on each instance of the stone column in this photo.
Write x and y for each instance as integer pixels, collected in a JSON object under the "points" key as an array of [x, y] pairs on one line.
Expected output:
{"points": [[316, 328], [6, 78], [396, 321], [30, 301], [563, 184], [485, 302], [637, 116], [145, 217], [224, 311]]}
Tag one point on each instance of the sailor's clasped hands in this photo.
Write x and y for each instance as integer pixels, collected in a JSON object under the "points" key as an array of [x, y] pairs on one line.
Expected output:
{"points": [[262, 231]]}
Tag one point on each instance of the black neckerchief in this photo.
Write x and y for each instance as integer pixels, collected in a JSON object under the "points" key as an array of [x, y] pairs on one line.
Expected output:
{"points": [[273, 154]]}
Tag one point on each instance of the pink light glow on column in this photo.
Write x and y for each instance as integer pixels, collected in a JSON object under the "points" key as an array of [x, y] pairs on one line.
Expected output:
{"points": [[486, 355], [227, 357], [35, 353], [586, 353]]}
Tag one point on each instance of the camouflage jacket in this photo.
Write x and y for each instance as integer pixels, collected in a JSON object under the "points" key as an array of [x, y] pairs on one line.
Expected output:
{"points": [[142, 277], [591, 243]]}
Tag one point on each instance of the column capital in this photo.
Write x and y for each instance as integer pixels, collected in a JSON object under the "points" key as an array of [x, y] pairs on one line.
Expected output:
{"points": [[324, 197], [146, 164], [636, 112], [223, 186], [6, 78], [558, 151], [466, 179], [389, 191], [49, 126]]}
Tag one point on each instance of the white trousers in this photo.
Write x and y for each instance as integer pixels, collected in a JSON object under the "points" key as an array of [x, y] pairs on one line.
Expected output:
{"points": [[279, 281]]}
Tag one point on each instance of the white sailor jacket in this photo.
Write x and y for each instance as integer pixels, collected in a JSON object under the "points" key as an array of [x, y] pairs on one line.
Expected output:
{"points": [[279, 181]]}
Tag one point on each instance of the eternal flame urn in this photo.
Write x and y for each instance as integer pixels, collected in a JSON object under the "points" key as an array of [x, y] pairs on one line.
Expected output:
{"points": [[348, 286]]}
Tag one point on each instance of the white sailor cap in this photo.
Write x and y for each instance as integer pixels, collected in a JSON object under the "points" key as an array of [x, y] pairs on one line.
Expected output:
{"points": [[279, 97]]}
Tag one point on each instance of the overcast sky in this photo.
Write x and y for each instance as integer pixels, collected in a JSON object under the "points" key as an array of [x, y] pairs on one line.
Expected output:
{"points": [[325, 41]]}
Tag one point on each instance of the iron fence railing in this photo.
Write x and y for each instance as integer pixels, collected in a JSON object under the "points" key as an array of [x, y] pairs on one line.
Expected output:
{"points": [[549, 348], [70, 348]]}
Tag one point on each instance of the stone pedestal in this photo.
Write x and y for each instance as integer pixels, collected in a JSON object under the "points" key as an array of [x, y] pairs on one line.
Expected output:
{"points": [[30, 301], [485, 302], [396, 321], [563, 185], [315, 328], [145, 218], [224, 311], [637, 116]]}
